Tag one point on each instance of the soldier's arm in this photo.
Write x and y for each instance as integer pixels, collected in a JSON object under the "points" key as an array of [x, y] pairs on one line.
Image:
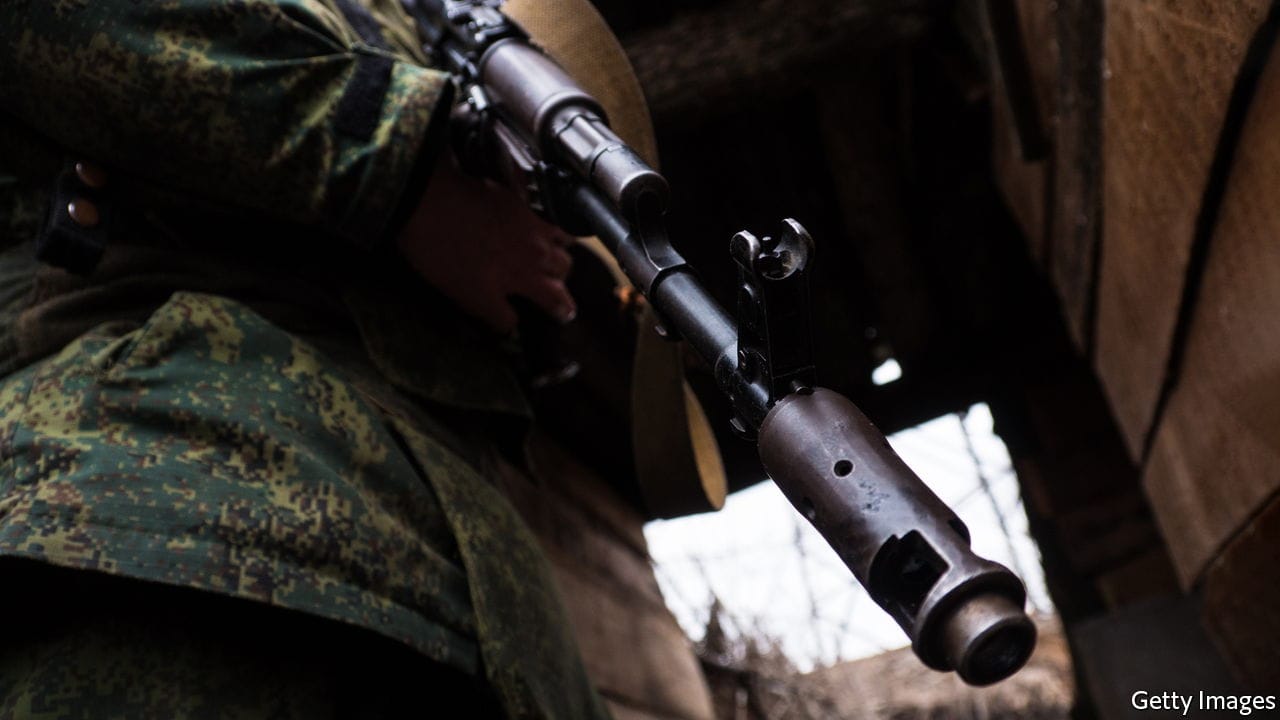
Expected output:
{"points": [[276, 107]]}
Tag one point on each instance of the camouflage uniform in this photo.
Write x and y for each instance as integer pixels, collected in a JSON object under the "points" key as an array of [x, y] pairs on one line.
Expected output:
{"points": [[249, 395]]}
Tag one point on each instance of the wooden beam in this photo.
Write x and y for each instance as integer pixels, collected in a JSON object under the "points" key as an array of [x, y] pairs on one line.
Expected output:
{"points": [[1217, 449], [1169, 73], [710, 60], [1076, 218]]}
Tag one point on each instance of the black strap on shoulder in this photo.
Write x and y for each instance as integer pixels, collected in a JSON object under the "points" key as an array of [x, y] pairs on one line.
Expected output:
{"points": [[75, 243], [360, 109]]}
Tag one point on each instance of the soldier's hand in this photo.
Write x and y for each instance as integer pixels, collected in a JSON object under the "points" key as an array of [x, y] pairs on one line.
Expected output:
{"points": [[480, 245]]}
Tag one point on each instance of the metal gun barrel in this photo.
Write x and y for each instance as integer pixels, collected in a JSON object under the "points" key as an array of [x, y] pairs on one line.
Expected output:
{"points": [[899, 539], [904, 545], [566, 123], [901, 542]]}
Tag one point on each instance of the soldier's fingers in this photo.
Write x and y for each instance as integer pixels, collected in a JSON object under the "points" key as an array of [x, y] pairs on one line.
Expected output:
{"points": [[524, 252], [498, 314], [551, 295], [557, 262]]}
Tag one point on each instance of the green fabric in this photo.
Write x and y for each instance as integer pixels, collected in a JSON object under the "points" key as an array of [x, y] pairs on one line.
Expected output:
{"points": [[277, 447], [235, 102], [208, 449], [150, 652], [530, 658], [218, 123]]}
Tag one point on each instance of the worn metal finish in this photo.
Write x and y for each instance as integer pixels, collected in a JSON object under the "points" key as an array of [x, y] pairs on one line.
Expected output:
{"points": [[910, 551], [903, 544], [986, 638], [775, 343]]}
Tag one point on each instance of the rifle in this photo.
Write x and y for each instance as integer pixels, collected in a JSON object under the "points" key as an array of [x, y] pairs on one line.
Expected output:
{"points": [[525, 121]]}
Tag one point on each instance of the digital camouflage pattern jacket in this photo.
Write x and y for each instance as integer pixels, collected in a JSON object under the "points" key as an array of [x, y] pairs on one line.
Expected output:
{"points": [[249, 394]]}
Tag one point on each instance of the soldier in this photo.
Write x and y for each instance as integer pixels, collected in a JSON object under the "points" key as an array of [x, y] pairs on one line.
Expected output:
{"points": [[244, 445]]}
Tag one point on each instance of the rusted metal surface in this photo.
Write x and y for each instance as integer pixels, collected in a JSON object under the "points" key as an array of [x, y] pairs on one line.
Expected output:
{"points": [[905, 545]]}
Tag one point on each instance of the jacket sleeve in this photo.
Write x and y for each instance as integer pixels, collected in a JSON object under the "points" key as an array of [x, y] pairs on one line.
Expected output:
{"points": [[279, 107]]}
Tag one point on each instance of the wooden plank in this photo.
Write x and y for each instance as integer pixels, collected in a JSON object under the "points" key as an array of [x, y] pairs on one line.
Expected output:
{"points": [[1150, 575], [557, 470], [633, 649], [1075, 477], [1056, 200], [1083, 495], [1241, 594], [1170, 65], [725, 56], [871, 208], [1022, 184], [1157, 646], [601, 538], [634, 653], [1216, 458], [1022, 181], [1097, 537], [1075, 218], [1062, 425]]}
